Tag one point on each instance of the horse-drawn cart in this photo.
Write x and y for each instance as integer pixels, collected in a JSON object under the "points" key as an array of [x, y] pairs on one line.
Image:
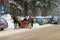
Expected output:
{"points": [[24, 24]]}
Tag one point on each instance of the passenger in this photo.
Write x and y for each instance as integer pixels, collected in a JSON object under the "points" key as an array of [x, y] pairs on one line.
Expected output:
{"points": [[30, 20], [25, 19]]}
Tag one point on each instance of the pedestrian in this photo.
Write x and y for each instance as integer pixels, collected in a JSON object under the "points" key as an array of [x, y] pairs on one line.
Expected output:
{"points": [[15, 19]]}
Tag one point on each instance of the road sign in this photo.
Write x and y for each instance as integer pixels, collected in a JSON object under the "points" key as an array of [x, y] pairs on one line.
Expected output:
{"points": [[2, 9]]}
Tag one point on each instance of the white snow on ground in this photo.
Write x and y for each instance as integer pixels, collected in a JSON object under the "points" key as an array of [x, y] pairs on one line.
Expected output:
{"points": [[37, 26], [10, 24], [11, 32]]}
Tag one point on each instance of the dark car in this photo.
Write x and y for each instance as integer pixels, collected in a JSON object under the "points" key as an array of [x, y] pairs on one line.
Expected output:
{"points": [[3, 24], [55, 19]]}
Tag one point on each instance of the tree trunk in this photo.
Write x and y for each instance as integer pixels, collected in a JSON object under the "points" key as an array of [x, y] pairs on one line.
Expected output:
{"points": [[44, 12], [25, 9], [34, 12]]}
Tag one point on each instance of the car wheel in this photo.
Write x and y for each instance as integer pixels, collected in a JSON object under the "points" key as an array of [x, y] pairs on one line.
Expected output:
{"points": [[1, 29]]}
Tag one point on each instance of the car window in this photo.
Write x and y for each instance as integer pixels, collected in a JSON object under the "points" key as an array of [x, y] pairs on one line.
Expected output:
{"points": [[2, 20]]}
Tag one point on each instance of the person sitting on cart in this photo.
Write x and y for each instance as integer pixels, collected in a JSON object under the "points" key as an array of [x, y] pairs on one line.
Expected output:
{"points": [[30, 20], [25, 19]]}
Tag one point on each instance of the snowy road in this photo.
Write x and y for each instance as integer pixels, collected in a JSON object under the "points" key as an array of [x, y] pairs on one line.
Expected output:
{"points": [[51, 32]]}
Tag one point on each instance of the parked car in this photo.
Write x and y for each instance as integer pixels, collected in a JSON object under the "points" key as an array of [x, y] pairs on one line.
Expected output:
{"points": [[3, 24], [59, 20], [45, 20], [55, 19], [39, 21]]}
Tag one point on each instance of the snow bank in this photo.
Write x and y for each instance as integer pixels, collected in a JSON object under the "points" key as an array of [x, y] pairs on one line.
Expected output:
{"points": [[9, 20]]}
